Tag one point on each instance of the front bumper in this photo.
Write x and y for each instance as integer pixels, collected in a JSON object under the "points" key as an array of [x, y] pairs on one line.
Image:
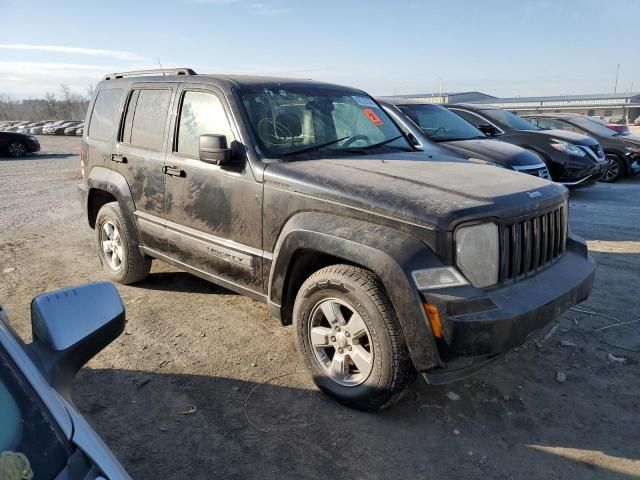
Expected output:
{"points": [[33, 146], [486, 324]]}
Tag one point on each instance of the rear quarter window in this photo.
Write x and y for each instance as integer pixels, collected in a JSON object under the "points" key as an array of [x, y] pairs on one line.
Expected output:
{"points": [[104, 115], [146, 118]]}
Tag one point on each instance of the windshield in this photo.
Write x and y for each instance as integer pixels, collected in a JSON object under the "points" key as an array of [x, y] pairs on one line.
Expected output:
{"points": [[440, 124], [593, 127], [509, 119], [294, 122]]}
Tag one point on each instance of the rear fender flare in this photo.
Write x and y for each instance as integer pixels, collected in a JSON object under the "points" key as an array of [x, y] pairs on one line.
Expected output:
{"points": [[112, 182]]}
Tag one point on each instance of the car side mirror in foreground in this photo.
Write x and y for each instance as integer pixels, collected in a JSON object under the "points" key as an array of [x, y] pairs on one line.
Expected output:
{"points": [[214, 149], [488, 130], [72, 325]]}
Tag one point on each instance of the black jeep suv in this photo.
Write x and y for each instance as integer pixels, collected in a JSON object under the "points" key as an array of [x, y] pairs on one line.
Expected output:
{"points": [[574, 159], [308, 197]]}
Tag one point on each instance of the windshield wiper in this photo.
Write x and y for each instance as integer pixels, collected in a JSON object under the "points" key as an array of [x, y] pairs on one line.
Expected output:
{"points": [[380, 144], [313, 148]]}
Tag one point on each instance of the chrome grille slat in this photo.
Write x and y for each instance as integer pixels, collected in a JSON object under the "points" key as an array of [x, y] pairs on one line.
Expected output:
{"points": [[531, 243]]}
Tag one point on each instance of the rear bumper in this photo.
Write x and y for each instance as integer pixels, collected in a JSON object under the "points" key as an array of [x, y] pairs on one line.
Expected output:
{"points": [[478, 326]]}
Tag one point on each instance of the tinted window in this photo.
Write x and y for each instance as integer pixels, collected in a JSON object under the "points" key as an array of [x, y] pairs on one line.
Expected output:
{"points": [[128, 119], [103, 117], [509, 119], [201, 113], [470, 117], [149, 118], [551, 124], [27, 435], [593, 127], [440, 124]]}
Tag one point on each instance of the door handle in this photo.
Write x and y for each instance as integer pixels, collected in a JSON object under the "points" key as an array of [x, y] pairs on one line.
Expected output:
{"points": [[173, 171], [118, 158]]}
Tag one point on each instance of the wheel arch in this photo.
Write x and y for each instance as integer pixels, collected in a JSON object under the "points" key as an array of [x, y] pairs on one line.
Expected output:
{"points": [[105, 186], [311, 241]]}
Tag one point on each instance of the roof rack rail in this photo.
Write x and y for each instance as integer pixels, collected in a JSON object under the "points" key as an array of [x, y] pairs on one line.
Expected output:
{"points": [[157, 71]]}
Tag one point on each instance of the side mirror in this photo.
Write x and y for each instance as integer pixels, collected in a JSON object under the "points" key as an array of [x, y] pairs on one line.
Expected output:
{"points": [[214, 149], [72, 325], [488, 130]]}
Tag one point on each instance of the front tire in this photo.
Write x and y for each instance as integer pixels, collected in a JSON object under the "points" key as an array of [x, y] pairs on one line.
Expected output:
{"points": [[119, 253], [17, 149], [615, 170], [350, 339]]}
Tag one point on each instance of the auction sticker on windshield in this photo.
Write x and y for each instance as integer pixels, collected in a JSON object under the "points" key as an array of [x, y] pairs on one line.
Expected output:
{"points": [[364, 101], [371, 115]]}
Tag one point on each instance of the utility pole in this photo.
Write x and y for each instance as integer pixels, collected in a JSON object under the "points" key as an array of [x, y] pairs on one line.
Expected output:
{"points": [[615, 88]]}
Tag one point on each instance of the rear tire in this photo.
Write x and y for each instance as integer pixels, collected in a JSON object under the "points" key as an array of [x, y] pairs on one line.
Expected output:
{"points": [[615, 170], [119, 252], [350, 339]]}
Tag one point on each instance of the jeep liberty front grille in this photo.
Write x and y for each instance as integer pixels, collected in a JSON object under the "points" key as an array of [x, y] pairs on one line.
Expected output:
{"points": [[530, 244]]}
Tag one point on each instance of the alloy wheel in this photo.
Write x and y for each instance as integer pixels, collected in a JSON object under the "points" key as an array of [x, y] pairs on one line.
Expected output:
{"points": [[613, 170], [341, 342], [111, 242], [17, 149]]}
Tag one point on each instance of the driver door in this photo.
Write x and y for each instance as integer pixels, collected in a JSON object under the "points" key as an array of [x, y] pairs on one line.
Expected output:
{"points": [[213, 213]]}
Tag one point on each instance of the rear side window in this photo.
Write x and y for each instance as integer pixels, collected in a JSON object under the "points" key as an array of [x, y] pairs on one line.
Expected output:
{"points": [[201, 113], [146, 118], [103, 116]]}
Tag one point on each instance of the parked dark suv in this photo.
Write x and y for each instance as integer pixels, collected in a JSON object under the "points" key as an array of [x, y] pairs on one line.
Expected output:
{"points": [[622, 151], [459, 137], [308, 197], [573, 159]]}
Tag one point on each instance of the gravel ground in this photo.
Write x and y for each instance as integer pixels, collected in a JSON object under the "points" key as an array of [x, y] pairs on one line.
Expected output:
{"points": [[205, 384]]}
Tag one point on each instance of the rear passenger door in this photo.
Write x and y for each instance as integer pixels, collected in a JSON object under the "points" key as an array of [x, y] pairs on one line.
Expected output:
{"points": [[140, 153], [213, 213]]}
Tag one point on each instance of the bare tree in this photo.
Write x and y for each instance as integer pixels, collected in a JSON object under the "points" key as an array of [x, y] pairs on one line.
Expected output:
{"points": [[7, 106], [52, 110]]}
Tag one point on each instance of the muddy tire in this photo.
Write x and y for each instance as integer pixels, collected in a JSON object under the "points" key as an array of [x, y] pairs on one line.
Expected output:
{"points": [[350, 339], [119, 253]]}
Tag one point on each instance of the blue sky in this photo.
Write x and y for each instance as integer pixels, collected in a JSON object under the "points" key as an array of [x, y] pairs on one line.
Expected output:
{"points": [[505, 48]]}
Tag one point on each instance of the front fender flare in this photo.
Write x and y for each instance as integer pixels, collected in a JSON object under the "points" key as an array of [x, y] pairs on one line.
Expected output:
{"points": [[390, 254]]}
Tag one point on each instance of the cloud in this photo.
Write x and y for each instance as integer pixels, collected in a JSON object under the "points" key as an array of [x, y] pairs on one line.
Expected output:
{"points": [[33, 79], [95, 52]]}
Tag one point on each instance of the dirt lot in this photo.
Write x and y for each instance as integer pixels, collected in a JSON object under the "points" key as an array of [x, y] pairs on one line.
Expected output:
{"points": [[257, 415]]}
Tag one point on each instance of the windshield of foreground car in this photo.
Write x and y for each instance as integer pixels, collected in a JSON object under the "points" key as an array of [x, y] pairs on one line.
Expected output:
{"points": [[440, 124], [509, 119], [594, 127], [295, 122]]}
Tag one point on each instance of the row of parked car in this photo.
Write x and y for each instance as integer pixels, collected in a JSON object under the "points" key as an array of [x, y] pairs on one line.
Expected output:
{"points": [[45, 127], [575, 150]]}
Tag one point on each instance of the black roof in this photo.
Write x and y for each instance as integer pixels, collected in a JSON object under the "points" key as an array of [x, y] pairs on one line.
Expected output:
{"points": [[224, 81]]}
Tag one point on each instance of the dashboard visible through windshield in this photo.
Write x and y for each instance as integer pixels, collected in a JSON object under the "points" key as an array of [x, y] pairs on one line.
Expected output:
{"points": [[293, 122]]}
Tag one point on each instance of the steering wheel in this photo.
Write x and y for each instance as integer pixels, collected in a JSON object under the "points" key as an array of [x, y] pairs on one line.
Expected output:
{"points": [[355, 138]]}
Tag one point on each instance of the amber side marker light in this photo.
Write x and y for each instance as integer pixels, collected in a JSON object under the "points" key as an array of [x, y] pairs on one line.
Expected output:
{"points": [[434, 319]]}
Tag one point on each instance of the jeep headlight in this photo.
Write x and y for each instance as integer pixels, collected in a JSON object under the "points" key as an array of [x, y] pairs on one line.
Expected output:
{"points": [[478, 253], [569, 148]]}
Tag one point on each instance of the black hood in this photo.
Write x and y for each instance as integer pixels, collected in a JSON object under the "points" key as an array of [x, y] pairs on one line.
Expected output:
{"points": [[567, 136], [424, 192], [502, 153]]}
